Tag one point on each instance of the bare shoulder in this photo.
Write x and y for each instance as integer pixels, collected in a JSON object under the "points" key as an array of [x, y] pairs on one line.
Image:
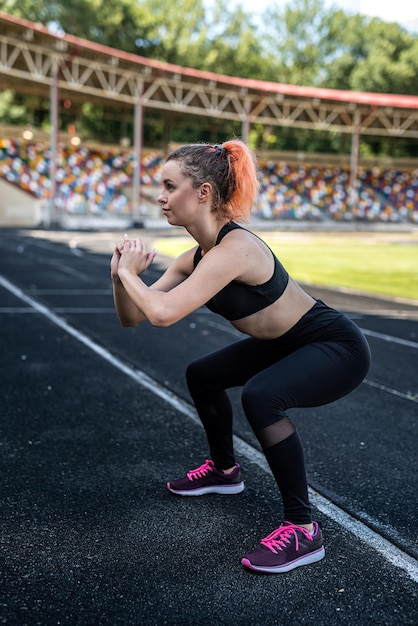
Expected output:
{"points": [[242, 241], [250, 254]]}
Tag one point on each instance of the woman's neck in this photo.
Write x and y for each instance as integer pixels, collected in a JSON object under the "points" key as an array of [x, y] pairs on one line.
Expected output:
{"points": [[207, 234]]}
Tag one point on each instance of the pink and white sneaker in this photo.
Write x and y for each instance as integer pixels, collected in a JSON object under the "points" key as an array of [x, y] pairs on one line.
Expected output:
{"points": [[286, 548], [207, 479]]}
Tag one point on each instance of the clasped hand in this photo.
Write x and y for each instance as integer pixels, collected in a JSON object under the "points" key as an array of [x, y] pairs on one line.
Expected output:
{"points": [[132, 255]]}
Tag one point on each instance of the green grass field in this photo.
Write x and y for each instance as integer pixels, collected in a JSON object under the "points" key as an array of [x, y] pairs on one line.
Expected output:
{"points": [[381, 263]]}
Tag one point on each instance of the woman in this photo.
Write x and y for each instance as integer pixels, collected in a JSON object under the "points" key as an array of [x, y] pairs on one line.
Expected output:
{"points": [[298, 353]]}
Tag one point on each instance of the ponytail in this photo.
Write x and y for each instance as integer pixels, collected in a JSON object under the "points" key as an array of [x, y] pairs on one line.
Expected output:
{"points": [[244, 169]]}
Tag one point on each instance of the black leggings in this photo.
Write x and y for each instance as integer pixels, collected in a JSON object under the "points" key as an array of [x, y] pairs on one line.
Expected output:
{"points": [[322, 358]]}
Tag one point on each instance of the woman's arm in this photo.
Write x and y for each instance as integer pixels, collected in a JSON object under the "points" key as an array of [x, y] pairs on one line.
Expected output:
{"points": [[127, 310], [128, 313], [169, 301]]}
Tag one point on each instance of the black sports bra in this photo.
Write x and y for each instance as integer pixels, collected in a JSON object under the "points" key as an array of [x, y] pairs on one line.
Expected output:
{"points": [[238, 300]]}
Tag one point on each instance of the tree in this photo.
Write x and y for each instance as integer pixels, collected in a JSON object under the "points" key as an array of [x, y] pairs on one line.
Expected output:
{"points": [[233, 45], [302, 37], [178, 30], [122, 24], [391, 61], [375, 56]]}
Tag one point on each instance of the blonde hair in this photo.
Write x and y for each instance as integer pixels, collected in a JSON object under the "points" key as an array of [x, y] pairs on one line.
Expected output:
{"points": [[230, 168]]}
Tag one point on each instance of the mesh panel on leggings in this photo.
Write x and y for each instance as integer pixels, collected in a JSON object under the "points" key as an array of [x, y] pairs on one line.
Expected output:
{"points": [[275, 433]]}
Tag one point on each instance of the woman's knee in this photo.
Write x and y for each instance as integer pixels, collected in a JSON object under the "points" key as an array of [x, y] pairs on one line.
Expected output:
{"points": [[204, 374], [261, 406], [195, 374]]}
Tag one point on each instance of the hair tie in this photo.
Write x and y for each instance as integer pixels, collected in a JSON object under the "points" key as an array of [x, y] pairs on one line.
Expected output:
{"points": [[219, 146]]}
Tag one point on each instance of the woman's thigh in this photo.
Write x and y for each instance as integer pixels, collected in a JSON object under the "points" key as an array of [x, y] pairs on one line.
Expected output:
{"points": [[314, 375], [235, 364]]}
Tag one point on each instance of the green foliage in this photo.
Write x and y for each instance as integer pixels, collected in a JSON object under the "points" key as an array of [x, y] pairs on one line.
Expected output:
{"points": [[232, 45], [177, 30], [10, 111], [301, 36], [375, 56]]}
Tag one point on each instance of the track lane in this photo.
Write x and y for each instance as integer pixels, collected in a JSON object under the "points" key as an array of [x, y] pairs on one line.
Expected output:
{"points": [[386, 548]]}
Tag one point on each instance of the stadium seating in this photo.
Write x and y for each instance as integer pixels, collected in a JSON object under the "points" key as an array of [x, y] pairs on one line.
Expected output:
{"points": [[95, 181]]}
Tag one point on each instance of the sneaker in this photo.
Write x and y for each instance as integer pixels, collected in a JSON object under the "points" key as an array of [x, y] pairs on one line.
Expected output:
{"points": [[284, 549], [207, 479]]}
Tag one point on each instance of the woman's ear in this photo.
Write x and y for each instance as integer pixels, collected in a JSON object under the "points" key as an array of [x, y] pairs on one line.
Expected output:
{"points": [[205, 191]]}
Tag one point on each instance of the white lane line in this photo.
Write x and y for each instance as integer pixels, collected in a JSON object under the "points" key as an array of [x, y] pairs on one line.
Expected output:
{"points": [[391, 553], [406, 396], [402, 342], [73, 310], [71, 292], [17, 309]]}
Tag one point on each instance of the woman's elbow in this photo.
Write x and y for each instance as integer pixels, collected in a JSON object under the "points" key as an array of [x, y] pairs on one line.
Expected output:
{"points": [[162, 318], [159, 322]]}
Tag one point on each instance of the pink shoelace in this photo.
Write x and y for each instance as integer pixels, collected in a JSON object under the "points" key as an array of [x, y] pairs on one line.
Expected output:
{"points": [[280, 538], [199, 472]]}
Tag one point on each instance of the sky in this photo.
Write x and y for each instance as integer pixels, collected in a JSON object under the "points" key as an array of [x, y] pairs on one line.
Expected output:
{"points": [[402, 11]]}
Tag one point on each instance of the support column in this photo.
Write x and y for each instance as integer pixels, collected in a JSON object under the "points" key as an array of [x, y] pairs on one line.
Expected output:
{"points": [[136, 181], [53, 107], [246, 129], [246, 121], [355, 141]]}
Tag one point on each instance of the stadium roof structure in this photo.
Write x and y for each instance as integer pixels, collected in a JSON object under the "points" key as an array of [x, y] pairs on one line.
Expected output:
{"points": [[33, 59]]}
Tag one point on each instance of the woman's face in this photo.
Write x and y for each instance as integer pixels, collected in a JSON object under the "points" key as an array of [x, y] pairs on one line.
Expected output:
{"points": [[178, 200]]}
